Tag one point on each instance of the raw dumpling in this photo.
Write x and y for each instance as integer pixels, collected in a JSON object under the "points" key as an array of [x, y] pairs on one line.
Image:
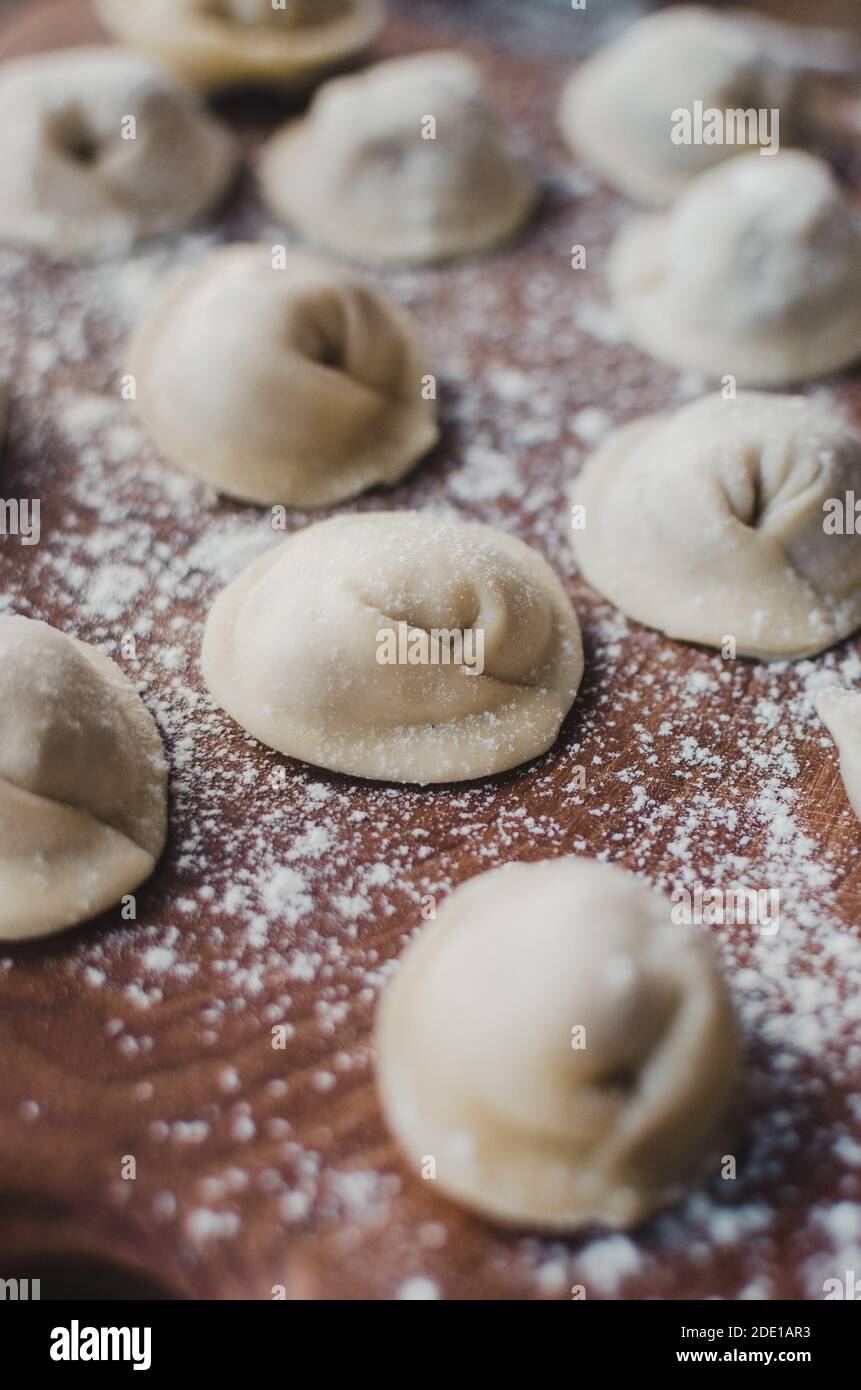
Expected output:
{"points": [[223, 43], [397, 646], [617, 108], [708, 523], [299, 385], [840, 712], [755, 273], [400, 163], [556, 1046], [83, 782], [100, 149]]}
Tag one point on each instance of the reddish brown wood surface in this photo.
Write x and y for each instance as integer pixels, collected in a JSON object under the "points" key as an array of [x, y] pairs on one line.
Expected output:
{"points": [[104, 1055]]}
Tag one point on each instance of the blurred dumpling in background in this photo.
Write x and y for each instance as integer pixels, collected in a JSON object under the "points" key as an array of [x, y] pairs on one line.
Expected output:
{"points": [[101, 149], [297, 384], [755, 273], [224, 43], [403, 163], [835, 14], [616, 111]]}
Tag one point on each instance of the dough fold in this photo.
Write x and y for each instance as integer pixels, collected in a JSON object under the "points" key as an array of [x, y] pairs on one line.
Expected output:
{"points": [[617, 107], [755, 273], [708, 523], [401, 163], [557, 1046], [297, 648], [100, 150], [301, 385], [83, 782], [216, 44]]}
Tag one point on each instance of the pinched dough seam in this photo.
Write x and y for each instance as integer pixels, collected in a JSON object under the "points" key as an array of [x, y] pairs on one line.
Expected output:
{"points": [[515, 685], [80, 811]]}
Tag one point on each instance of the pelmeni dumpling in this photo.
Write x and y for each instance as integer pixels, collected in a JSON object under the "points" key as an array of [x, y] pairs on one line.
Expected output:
{"points": [[708, 523], [287, 381], [840, 712], [83, 782], [403, 162], [617, 108], [223, 43], [397, 646], [755, 273], [100, 149], [557, 1046]]}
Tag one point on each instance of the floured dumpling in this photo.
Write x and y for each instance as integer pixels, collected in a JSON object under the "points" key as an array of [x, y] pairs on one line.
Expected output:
{"points": [[556, 1047], [617, 108], [83, 782], [223, 43], [401, 163], [397, 646], [708, 523], [840, 712], [298, 384], [100, 149], [754, 273]]}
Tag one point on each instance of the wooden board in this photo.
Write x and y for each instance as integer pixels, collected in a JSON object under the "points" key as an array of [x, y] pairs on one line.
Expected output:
{"points": [[284, 896]]}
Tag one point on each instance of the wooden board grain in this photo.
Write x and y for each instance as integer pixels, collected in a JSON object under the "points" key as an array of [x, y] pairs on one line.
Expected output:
{"points": [[286, 893]]}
